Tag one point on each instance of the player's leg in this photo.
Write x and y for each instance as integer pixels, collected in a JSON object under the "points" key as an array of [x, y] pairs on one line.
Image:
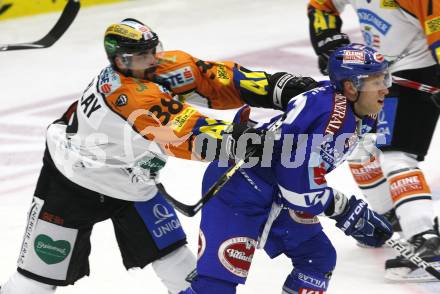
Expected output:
{"points": [[56, 242], [414, 207], [300, 237], [19, 284], [364, 164], [229, 231], [414, 125], [150, 232]]}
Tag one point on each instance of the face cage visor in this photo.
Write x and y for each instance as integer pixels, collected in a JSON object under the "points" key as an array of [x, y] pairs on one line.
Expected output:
{"points": [[373, 82]]}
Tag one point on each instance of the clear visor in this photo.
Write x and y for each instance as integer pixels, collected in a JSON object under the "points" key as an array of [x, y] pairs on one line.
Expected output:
{"points": [[143, 60], [374, 82]]}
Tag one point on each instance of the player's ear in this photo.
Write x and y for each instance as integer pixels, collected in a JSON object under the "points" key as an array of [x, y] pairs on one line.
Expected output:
{"points": [[350, 90]]}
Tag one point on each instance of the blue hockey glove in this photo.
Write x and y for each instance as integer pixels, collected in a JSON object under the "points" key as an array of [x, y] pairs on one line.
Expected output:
{"points": [[363, 224]]}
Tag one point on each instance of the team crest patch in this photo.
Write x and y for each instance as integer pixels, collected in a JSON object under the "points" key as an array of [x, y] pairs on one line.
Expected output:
{"points": [[202, 244], [236, 255], [122, 100]]}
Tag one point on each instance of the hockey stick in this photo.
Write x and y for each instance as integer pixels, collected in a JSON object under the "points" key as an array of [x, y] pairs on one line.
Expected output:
{"points": [[412, 257], [191, 210], [67, 16], [415, 85], [421, 87]]}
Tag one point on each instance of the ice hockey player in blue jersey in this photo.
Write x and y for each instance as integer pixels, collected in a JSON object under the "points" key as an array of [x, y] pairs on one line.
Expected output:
{"points": [[274, 204]]}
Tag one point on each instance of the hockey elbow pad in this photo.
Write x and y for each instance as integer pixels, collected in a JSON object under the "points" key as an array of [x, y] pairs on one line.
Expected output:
{"points": [[284, 86]]}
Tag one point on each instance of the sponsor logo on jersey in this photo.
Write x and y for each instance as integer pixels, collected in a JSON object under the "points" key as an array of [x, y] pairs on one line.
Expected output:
{"points": [[317, 283], [369, 17], [49, 217], [106, 88], [388, 4], [122, 100], [367, 173], [161, 213], [141, 86], [408, 184], [109, 81], [306, 199], [180, 77], [165, 58], [51, 251], [151, 163], [202, 244], [236, 255], [339, 110], [309, 291], [319, 174], [181, 119], [222, 74], [303, 218], [33, 214], [172, 225], [432, 25]]}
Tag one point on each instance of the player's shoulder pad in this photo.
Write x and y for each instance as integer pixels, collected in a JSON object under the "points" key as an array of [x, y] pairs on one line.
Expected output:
{"points": [[135, 94], [174, 57], [108, 81]]}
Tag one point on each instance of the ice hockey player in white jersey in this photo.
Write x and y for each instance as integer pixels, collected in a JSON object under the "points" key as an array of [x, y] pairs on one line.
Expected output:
{"points": [[408, 34], [102, 161]]}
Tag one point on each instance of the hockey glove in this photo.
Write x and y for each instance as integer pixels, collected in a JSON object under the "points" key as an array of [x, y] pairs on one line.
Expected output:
{"points": [[243, 141], [363, 224], [329, 42], [284, 86]]}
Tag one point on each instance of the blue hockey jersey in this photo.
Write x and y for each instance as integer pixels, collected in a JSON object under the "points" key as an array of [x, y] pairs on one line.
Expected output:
{"points": [[317, 133]]}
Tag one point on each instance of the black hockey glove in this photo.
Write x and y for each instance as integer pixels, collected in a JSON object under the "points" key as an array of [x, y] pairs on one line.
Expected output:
{"points": [[284, 86], [242, 142], [355, 219], [325, 37], [327, 43]]}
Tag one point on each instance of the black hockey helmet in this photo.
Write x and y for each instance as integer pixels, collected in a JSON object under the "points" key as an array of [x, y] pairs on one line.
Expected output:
{"points": [[130, 36]]}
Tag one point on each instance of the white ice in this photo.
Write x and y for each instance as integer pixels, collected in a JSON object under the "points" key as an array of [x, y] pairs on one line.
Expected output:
{"points": [[36, 86]]}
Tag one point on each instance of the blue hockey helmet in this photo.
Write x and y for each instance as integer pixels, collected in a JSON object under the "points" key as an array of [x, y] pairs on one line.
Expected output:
{"points": [[355, 63]]}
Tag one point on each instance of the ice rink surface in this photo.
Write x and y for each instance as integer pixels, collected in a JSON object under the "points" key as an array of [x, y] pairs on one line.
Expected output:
{"points": [[37, 85]]}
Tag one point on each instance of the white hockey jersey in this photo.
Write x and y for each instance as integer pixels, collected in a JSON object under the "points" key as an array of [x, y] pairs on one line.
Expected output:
{"points": [[119, 137], [404, 34]]}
